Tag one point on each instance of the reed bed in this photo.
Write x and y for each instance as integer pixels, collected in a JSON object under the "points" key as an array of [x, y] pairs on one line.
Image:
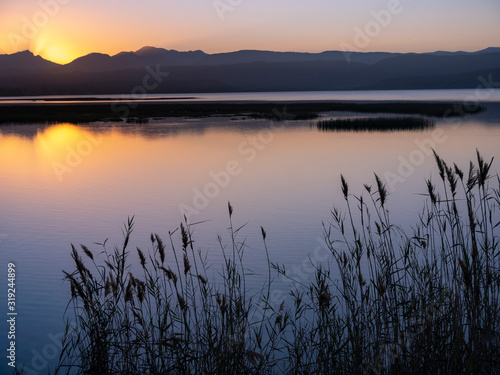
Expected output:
{"points": [[419, 301], [79, 113], [399, 123]]}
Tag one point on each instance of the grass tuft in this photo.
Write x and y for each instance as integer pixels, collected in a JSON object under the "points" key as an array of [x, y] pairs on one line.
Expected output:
{"points": [[424, 301]]}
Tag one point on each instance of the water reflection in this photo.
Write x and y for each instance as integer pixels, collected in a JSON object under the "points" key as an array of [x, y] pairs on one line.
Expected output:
{"points": [[63, 184]]}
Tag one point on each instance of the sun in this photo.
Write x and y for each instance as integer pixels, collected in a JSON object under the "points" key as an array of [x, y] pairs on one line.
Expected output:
{"points": [[57, 54], [52, 52]]}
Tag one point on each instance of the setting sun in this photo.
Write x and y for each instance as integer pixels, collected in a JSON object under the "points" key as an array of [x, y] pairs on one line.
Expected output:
{"points": [[53, 52], [58, 55]]}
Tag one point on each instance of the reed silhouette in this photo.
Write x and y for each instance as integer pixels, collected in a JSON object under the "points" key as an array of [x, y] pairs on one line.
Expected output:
{"points": [[398, 302], [376, 124]]}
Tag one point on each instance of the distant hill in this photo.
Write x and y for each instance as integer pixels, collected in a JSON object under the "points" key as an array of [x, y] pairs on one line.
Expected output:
{"points": [[152, 56], [249, 56], [129, 60], [488, 50], [24, 61], [248, 70]]}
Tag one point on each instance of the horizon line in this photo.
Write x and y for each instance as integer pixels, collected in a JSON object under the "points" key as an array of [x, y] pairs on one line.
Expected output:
{"points": [[254, 50]]}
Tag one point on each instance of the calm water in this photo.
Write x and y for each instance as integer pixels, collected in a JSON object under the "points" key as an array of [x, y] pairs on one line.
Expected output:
{"points": [[66, 184], [484, 92]]}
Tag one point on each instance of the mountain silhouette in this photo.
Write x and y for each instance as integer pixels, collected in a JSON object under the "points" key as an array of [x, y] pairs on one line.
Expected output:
{"points": [[132, 60], [24, 60], [247, 70], [152, 56]]}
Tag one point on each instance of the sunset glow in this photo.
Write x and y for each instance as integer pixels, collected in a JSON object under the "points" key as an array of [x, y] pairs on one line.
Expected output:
{"points": [[54, 141], [61, 30], [55, 53], [250, 186]]}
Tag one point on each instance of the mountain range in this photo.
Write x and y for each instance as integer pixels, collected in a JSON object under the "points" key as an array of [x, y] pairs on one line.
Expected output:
{"points": [[23, 73]]}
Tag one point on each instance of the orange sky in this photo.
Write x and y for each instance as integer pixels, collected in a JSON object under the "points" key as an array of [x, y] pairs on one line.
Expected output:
{"points": [[61, 30]]}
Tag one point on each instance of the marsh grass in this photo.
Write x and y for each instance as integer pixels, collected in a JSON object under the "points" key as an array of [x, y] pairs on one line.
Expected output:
{"points": [[89, 112], [402, 123], [424, 302]]}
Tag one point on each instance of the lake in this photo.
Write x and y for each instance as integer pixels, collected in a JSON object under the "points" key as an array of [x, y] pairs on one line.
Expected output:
{"points": [[69, 184], [484, 92]]}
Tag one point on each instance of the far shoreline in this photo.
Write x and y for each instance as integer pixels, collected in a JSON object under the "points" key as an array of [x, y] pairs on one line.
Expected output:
{"points": [[124, 110], [88, 99]]}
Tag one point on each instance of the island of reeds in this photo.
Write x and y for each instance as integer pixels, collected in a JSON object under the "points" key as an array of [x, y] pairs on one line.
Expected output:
{"points": [[379, 124], [394, 301]]}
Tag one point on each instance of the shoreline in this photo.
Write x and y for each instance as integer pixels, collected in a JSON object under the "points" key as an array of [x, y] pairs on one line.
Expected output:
{"points": [[63, 100], [123, 110]]}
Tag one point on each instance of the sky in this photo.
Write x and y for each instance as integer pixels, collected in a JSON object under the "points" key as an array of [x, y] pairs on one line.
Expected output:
{"points": [[62, 30]]}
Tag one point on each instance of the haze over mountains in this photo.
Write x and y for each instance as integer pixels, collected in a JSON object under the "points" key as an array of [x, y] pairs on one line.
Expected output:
{"points": [[196, 71]]}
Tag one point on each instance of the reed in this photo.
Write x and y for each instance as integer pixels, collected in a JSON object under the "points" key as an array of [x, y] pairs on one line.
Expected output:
{"points": [[400, 123], [419, 301]]}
